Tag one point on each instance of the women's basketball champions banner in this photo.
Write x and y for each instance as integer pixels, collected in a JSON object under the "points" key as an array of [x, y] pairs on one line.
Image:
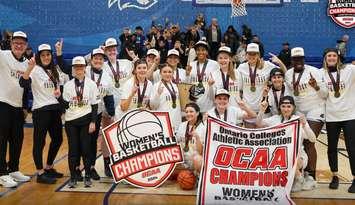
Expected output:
{"points": [[244, 166], [143, 148]]}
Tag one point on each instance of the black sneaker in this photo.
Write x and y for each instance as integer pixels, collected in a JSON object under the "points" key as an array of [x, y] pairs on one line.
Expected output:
{"points": [[108, 171], [94, 175], [72, 183], [78, 176], [87, 181], [53, 173], [334, 184], [352, 187], [45, 179]]}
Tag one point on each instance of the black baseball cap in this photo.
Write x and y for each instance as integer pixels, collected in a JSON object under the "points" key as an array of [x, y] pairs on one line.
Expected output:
{"points": [[276, 71], [287, 100], [327, 50]]}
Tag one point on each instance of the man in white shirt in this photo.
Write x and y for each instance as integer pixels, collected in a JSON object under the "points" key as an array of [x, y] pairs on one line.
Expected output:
{"points": [[12, 65]]}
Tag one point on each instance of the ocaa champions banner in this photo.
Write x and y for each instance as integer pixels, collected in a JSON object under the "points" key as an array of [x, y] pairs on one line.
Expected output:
{"points": [[243, 166], [143, 148]]}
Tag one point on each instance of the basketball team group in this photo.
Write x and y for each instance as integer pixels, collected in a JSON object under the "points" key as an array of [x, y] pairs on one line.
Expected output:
{"points": [[95, 90]]}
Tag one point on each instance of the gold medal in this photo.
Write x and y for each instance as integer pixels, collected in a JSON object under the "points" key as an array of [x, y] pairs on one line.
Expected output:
{"points": [[174, 105], [117, 84], [186, 148], [252, 88], [139, 105], [337, 94], [296, 93], [81, 104]]}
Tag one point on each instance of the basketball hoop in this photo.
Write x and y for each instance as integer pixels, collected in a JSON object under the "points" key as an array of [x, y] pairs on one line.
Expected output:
{"points": [[238, 8]]}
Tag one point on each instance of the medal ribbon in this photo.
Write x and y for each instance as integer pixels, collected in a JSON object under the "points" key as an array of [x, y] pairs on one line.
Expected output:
{"points": [[202, 73]]}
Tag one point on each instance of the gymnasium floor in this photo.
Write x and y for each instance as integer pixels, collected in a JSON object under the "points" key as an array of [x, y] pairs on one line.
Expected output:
{"points": [[34, 193]]}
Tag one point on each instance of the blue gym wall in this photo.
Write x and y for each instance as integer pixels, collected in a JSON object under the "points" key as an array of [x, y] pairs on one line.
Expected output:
{"points": [[86, 23]]}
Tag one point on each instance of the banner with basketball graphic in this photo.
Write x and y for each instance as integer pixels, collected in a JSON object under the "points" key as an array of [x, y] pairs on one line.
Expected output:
{"points": [[143, 148], [245, 166]]}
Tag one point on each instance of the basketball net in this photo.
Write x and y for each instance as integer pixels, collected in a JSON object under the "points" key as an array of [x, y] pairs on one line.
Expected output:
{"points": [[238, 8]]}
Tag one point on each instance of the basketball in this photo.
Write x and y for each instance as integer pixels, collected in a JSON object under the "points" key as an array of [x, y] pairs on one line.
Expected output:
{"points": [[186, 180], [138, 123]]}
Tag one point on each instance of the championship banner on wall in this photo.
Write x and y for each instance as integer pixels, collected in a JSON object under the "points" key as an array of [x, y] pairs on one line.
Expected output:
{"points": [[244, 166], [143, 148]]}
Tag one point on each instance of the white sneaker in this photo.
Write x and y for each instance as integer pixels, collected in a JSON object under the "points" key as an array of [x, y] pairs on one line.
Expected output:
{"points": [[7, 181], [19, 177], [309, 183], [298, 184]]}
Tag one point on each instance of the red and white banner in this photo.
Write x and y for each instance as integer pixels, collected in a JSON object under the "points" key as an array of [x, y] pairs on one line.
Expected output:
{"points": [[248, 166], [143, 148]]}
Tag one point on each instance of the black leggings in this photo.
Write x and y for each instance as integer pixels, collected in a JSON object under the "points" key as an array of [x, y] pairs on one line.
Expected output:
{"points": [[46, 121], [333, 131], [11, 131], [94, 136], [79, 143]]}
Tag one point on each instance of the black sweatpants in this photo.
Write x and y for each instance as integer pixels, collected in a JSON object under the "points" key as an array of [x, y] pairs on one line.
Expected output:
{"points": [[46, 121], [94, 136], [333, 131], [11, 131], [79, 142]]}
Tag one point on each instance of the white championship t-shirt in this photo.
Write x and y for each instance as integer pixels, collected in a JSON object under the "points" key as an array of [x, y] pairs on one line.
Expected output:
{"points": [[341, 108], [90, 97], [309, 101], [253, 99], [164, 102], [125, 73], [182, 76], [180, 137], [234, 115], [272, 103], [104, 85], [233, 89], [205, 102], [42, 88], [126, 92], [11, 71]]}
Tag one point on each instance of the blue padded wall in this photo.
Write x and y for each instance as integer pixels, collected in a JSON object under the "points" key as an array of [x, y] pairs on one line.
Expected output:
{"points": [[86, 23]]}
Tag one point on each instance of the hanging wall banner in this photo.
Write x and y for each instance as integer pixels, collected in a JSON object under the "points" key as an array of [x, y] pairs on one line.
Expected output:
{"points": [[143, 148], [244, 166], [342, 12]]}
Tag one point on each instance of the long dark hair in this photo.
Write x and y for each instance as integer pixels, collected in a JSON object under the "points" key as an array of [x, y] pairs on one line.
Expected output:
{"points": [[197, 109], [52, 67]]}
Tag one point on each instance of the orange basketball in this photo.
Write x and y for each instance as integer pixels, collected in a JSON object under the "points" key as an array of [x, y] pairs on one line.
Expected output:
{"points": [[186, 180]]}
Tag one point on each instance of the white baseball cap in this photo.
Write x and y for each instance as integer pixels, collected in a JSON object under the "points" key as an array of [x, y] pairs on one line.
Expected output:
{"points": [[153, 52], [201, 43], [78, 60], [297, 52], [173, 52], [225, 49], [19, 34], [44, 47], [97, 51], [110, 42], [222, 92], [253, 47]]}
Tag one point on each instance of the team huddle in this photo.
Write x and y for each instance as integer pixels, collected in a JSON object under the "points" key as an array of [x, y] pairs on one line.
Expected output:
{"points": [[94, 91]]}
